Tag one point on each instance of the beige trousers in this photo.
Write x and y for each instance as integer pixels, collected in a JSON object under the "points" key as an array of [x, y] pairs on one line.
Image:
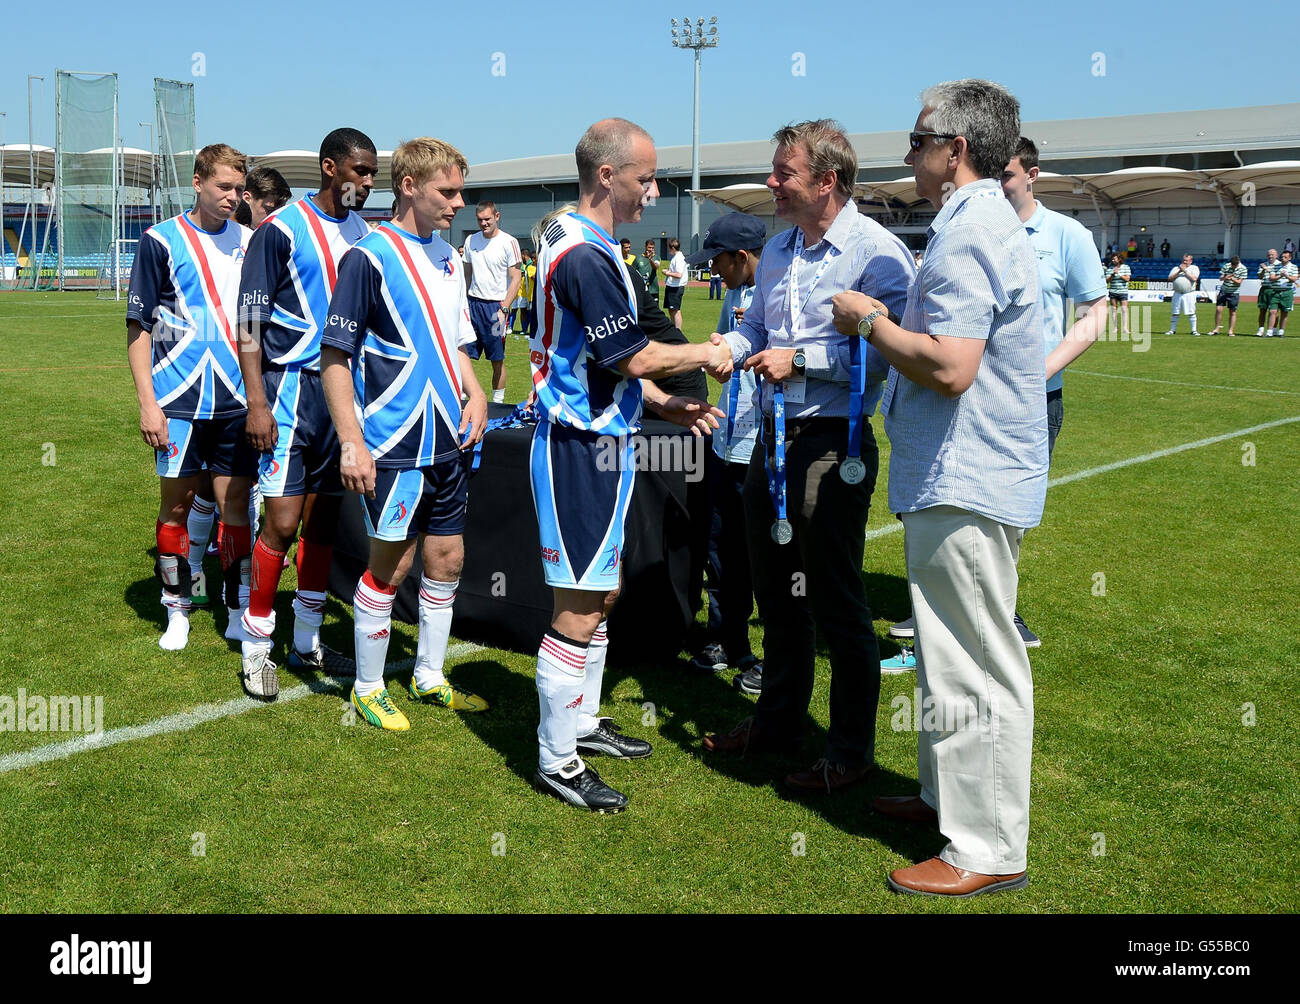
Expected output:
{"points": [[976, 717]]}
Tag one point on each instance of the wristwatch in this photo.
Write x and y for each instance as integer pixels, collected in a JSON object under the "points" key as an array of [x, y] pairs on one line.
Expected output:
{"points": [[799, 361], [864, 325]]}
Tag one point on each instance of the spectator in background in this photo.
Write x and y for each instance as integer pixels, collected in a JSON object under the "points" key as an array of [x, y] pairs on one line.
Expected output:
{"points": [[1183, 303], [1117, 280], [715, 283], [917, 258], [493, 259], [625, 248], [1164, 248], [675, 285], [1286, 276], [649, 271], [265, 191], [1288, 247], [1269, 280], [1151, 247], [1231, 276], [524, 302], [1133, 247]]}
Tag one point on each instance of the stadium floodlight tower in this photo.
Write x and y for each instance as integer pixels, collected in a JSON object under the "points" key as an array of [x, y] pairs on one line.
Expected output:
{"points": [[695, 36]]}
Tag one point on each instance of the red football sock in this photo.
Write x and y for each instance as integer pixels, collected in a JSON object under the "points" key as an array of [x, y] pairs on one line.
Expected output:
{"points": [[172, 539], [267, 566], [233, 543], [314, 565]]}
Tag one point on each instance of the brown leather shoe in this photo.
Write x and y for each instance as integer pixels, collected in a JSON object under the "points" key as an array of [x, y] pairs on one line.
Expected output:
{"points": [[747, 737], [938, 878], [826, 776], [909, 808]]}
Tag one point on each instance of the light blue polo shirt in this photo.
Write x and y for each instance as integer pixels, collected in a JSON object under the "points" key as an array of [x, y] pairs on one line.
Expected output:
{"points": [[1068, 268]]}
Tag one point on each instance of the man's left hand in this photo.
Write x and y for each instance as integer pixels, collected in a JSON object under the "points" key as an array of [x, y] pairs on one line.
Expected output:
{"points": [[691, 413]]}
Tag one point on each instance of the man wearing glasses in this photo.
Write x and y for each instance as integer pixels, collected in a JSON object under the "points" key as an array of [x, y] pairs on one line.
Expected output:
{"points": [[966, 413]]}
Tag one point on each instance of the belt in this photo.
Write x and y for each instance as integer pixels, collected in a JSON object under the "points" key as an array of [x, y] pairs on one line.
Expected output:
{"points": [[837, 426]]}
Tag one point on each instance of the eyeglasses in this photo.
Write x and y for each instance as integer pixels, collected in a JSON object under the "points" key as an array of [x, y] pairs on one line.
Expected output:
{"points": [[917, 139]]}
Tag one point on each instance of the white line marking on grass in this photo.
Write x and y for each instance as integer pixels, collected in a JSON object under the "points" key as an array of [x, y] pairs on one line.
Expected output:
{"points": [[1183, 383], [1092, 472], [186, 720]]}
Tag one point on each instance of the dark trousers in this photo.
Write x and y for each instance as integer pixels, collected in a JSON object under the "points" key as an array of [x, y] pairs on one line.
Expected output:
{"points": [[715, 286], [731, 587], [1055, 419], [813, 586]]}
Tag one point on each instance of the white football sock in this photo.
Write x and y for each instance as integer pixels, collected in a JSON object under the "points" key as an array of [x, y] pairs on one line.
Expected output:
{"points": [[235, 626], [254, 509], [561, 674], [308, 613], [178, 629], [590, 716], [372, 619], [436, 599], [256, 631], [199, 528]]}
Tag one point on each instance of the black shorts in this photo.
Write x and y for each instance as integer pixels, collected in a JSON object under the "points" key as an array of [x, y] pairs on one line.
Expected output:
{"points": [[1119, 297], [673, 297], [1229, 300]]}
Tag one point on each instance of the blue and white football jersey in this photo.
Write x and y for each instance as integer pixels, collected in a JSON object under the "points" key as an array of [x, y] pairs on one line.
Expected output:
{"points": [[400, 311], [586, 323], [293, 263], [184, 287]]}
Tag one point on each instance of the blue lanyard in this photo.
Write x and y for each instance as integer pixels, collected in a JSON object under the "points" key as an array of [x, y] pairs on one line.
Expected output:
{"points": [[775, 466], [733, 402], [852, 469]]}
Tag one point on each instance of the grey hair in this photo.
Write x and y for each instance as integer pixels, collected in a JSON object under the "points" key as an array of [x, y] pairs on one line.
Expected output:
{"points": [[984, 113], [608, 141], [540, 226]]}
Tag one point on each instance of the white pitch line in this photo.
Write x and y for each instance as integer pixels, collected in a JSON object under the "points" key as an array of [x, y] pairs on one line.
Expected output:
{"points": [[1092, 472], [1183, 383], [186, 720]]}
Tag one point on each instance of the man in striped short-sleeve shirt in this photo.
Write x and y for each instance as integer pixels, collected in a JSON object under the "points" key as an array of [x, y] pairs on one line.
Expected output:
{"points": [[966, 413], [1231, 275], [1117, 279]]}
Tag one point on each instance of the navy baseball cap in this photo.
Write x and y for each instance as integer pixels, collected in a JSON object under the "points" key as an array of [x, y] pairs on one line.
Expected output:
{"points": [[733, 232]]}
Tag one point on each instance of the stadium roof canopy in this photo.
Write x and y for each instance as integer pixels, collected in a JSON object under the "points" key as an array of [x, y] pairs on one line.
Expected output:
{"points": [[1161, 135], [1274, 183]]}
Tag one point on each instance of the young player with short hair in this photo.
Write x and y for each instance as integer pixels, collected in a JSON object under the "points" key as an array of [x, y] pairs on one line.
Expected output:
{"points": [[293, 261], [184, 288], [734, 243], [1118, 276], [395, 352], [265, 191]]}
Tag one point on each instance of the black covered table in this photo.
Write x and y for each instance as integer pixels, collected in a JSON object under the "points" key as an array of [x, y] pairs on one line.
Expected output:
{"points": [[503, 600]]}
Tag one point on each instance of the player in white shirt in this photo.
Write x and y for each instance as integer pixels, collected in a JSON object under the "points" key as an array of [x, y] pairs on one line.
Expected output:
{"points": [[1183, 303], [495, 274], [675, 283]]}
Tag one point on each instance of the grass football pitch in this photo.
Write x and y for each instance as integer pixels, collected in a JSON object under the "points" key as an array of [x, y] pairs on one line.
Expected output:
{"points": [[1164, 772]]}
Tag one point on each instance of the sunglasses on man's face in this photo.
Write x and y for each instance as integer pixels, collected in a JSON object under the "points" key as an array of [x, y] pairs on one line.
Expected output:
{"points": [[917, 139]]}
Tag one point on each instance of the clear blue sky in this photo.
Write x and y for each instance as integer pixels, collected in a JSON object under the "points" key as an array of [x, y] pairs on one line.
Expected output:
{"points": [[304, 69]]}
